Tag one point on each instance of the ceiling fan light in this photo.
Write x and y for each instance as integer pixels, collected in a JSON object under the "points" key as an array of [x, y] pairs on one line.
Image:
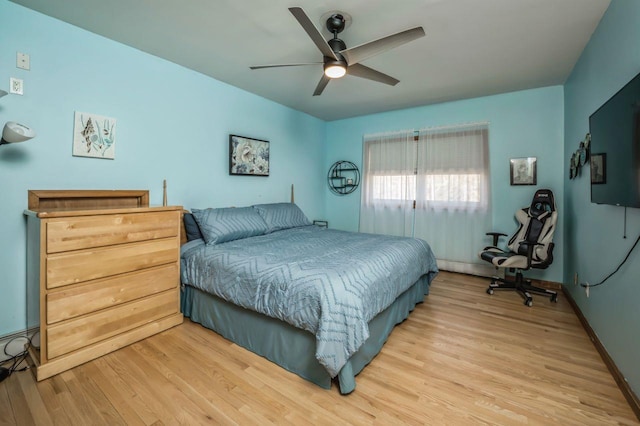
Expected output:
{"points": [[335, 69]]}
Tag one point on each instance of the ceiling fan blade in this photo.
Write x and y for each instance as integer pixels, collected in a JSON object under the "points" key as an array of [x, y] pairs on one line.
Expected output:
{"points": [[321, 85], [313, 32], [257, 67], [360, 70], [364, 51]]}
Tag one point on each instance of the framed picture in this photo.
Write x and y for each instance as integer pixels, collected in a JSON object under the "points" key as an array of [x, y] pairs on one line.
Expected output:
{"points": [[599, 168], [523, 171], [247, 156], [94, 136]]}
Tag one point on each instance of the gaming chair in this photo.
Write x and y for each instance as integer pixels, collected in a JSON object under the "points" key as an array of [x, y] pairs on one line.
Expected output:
{"points": [[530, 247]]}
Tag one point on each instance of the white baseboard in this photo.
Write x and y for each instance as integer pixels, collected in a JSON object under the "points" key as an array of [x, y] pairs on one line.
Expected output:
{"points": [[14, 343], [470, 268]]}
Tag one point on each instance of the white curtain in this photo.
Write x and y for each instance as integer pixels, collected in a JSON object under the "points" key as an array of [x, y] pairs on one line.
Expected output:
{"points": [[452, 193], [388, 184]]}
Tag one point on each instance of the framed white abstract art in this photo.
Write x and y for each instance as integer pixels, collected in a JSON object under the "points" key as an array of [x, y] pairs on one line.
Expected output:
{"points": [[94, 136]]}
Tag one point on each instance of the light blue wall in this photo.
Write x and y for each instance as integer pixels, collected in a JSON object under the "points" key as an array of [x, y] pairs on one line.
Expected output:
{"points": [[172, 123], [521, 124], [594, 243]]}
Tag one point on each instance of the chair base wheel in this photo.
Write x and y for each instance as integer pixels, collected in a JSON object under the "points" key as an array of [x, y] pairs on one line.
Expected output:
{"points": [[522, 287]]}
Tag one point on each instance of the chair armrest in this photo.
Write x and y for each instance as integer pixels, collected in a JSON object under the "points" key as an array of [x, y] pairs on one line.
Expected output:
{"points": [[495, 236]]}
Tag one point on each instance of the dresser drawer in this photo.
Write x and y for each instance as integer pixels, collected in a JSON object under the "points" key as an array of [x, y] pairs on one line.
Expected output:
{"points": [[76, 233], [77, 333], [76, 267], [100, 294]]}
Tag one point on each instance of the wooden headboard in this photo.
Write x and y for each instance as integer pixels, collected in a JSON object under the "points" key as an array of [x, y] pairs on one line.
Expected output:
{"points": [[183, 229]]}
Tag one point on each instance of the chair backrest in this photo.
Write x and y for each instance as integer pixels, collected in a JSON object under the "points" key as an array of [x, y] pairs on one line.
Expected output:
{"points": [[537, 225]]}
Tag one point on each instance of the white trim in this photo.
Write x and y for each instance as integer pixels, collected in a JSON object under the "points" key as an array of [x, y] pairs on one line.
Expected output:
{"points": [[401, 133], [460, 126], [470, 268], [457, 126]]}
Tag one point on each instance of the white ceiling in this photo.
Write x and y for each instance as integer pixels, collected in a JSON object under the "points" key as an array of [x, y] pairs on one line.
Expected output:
{"points": [[472, 47]]}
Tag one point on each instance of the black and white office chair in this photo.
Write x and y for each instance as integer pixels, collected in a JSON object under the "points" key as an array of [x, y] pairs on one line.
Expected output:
{"points": [[530, 247]]}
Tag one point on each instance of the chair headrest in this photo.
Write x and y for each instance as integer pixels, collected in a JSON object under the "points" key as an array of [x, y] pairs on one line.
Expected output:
{"points": [[543, 202]]}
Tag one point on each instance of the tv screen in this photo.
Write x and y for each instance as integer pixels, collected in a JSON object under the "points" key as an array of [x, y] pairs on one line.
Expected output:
{"points": [[615, 148]]}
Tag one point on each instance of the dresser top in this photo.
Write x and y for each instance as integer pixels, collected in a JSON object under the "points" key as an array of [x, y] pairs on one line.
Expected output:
{"points": [[82, 202], [76, 199], [96, 211]]}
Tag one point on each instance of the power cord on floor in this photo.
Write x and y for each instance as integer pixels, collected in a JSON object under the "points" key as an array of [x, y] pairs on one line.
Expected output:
{"points": [[587, 285], [14, 360]]}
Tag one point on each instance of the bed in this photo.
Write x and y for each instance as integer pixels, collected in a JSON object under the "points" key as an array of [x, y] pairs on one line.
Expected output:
{"points": [[316, 301]]}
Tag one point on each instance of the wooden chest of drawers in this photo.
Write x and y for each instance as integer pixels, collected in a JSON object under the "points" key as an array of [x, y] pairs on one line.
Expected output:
{"points": [[99, 280]]}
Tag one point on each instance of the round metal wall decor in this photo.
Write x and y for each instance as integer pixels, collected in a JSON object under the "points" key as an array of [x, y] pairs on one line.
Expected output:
{"points": [[343, 177]]}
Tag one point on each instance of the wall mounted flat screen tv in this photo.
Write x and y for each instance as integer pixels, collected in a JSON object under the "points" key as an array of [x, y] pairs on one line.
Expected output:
{"points": [[615, 148]]}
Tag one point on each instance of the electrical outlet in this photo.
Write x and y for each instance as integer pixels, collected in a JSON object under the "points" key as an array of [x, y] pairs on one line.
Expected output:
{"points": [[575, 279], [16, 86]]}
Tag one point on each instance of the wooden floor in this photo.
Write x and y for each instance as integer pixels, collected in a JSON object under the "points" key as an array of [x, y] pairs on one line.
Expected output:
{"points": [[463, 357]]}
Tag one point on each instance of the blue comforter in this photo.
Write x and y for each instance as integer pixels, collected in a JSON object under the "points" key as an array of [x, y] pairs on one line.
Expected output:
{"points": [[328, 282]]}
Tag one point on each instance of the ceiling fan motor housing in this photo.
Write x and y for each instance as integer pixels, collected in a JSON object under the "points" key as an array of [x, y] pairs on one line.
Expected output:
{"points": [[336, 23], [336, 45]]}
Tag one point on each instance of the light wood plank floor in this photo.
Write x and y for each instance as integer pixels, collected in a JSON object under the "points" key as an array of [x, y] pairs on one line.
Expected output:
{"points": [[463, 357]]}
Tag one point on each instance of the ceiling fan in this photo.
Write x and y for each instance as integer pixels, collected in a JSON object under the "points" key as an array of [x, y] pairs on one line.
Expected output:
{"points": [[338, 60]]}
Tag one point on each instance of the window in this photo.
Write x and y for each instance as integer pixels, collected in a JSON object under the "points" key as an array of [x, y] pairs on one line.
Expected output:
{"points": [[453, 168], [395, 187], [433, 185], [454, 174], [454, 188]]}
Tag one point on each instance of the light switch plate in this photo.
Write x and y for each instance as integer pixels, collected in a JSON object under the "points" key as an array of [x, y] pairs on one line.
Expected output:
{"points": [[23, 61]]}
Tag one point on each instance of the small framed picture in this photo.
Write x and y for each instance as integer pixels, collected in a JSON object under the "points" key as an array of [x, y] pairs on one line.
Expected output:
{"points": [[94, 136], [524, 171], [598, 168], [248, 156]]}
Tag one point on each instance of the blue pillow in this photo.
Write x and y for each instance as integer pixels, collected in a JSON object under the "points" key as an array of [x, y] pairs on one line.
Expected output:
{"points": [[190, 225], [281, 216], [228, 224]]}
